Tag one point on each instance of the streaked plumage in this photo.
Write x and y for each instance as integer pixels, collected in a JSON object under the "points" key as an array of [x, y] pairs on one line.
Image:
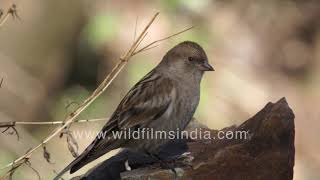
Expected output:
{"points": [[165, 99]]}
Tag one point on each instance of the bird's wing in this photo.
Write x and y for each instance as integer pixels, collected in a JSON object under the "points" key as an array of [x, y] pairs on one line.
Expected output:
{"points": [[148, 100], [144, 103]]}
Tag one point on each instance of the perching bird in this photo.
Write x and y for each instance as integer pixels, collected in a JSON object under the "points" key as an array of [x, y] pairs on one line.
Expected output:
{"points": [[163, 100]]}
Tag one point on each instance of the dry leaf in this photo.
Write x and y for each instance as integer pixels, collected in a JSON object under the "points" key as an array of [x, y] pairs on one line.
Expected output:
{"points": [[72, 144], [46, 154]]}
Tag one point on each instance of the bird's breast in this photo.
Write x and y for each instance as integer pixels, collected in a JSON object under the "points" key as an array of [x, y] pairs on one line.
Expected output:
{"points": [[184, 104]]}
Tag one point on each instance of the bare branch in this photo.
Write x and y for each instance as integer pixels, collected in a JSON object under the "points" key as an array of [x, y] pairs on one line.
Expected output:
{"points": [[6, 129], [66, 108], [11, 12], [157, 41], [10, 126], [71, 103], [33, 169], [139, 42], [15, 166], [71, 118], [15, 123], [135, 30], [1, 13], [15, 132], [151, 47], [12, 170], [1, 82], [100, 89]]}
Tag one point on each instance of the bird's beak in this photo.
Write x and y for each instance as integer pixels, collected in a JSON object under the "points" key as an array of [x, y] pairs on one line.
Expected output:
{"points": [[206, 67]]}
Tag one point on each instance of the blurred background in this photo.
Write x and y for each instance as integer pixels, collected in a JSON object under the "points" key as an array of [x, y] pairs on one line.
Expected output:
{"points": [[61, 50]]}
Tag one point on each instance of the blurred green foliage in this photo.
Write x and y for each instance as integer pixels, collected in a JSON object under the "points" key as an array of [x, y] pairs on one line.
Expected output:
{"points": [[102, 28]]}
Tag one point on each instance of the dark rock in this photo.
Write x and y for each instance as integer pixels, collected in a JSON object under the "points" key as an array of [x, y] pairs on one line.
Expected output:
{"points": [[266, 152]]}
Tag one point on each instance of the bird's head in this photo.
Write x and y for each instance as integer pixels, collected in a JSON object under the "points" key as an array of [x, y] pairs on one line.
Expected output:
{"points": [[187, 57]]}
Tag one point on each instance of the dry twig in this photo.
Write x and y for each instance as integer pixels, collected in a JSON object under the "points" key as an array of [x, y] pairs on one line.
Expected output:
{"points": [[149, 46], [12, 132], [15, 123], [15, 166], [33, 169], [123, 60], [72, 143], [12, 11], [1, 13], [66, 108], [135, 29], [46, 154]]}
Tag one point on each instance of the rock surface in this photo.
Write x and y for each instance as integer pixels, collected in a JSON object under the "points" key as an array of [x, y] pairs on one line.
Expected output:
{"points": [[267, 152]]}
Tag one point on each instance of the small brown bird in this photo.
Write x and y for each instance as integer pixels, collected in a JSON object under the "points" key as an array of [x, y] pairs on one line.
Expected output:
{"points": [[163, 100]]}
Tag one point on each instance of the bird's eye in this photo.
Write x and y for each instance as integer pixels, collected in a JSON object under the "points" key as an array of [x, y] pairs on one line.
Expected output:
{"points": [[191, 59]]}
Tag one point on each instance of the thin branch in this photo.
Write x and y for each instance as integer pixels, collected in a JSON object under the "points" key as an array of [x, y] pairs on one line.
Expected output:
{"points": [[12, 170], [66, 108], [135, 29], [139, 42], [151, 47], [70, 104], [15, 132], [1, 82], [157, 41], [14, 123], [33, 169], [1, 13], [15, 166], [71, 118], [12, 132], [100, 89], [11, 12], [6, 17]]}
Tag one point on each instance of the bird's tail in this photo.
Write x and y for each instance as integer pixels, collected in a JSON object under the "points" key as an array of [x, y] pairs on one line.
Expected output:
{"points": [[71, 165], [90, 154]]}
